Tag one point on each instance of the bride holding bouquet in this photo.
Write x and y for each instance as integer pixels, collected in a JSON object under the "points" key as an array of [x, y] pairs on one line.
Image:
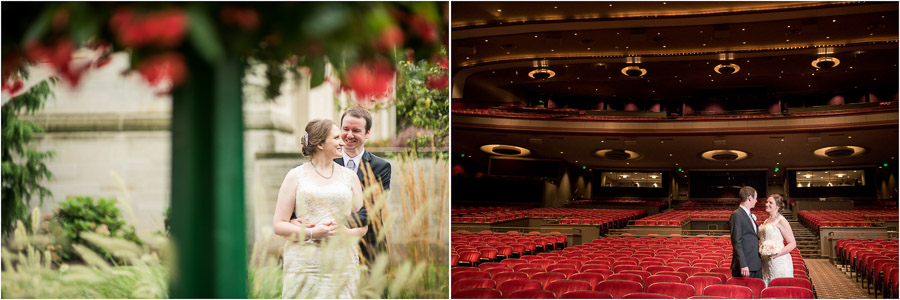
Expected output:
{"points": [[776, 256]]}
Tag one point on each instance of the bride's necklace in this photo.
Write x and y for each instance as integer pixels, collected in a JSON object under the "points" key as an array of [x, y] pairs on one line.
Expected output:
{"points": [[320, 174], [772, 218]]}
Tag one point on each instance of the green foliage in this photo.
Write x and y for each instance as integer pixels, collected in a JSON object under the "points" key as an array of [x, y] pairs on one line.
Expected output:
{"points": [[23, 168], [80, 214], [421, 107]]}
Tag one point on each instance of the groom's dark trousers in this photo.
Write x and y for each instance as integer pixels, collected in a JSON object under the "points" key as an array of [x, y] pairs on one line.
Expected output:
{"points": [[745, 244]]}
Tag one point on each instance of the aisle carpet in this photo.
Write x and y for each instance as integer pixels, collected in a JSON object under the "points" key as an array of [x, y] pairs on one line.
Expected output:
{"points": [[832, 283]]}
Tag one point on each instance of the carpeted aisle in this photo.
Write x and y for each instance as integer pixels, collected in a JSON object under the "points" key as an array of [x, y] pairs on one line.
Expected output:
{"points": [[831, 283]]}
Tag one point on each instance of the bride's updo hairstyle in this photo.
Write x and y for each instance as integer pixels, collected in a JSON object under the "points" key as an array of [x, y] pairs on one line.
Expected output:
{"points": [[316, 132], [779, 202]]}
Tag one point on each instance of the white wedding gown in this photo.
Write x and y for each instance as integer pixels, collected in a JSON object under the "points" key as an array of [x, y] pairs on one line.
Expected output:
{"points": [[781, 266], [331, 269]]}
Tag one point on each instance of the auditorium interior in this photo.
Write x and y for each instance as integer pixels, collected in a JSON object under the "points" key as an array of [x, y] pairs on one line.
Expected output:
{"points": [[598, 148]]}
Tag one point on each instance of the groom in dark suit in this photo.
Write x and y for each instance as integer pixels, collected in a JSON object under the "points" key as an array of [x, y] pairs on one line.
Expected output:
{"points": [[356, 124], [745, 261]]}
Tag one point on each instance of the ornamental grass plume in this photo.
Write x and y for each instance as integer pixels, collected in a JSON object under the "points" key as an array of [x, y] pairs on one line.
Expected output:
{"points": [[29, 271]]}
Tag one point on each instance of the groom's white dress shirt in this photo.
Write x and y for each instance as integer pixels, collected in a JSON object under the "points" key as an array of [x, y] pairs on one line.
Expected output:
{"points": [[752, 217], [356, 160]]}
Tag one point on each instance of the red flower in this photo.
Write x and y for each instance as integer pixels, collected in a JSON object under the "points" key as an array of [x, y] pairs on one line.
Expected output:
{"points": [[166, 28], [426, 31], [59, 57], [370, 80], [441, 62], [169, 66], [243, 18], [437, 82], [13, 88], [390, 38]]}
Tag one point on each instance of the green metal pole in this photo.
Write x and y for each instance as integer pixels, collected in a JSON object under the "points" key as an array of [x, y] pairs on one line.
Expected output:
{"points": [[230, 234], [208, 226], [192, 205]]}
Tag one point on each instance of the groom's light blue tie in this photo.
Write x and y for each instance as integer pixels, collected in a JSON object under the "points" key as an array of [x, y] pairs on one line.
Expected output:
{"points": [[754, 222], [351, 165]]}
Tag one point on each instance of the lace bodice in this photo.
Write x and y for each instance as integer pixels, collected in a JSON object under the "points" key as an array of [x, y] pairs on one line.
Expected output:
{"points": [[770, 232], [321, 200]]}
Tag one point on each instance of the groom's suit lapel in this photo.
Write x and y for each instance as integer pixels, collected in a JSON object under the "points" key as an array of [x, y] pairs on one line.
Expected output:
{"points": [[752, 222]]}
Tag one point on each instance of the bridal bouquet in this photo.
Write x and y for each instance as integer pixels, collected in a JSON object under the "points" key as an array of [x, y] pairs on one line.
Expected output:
{"points": [[770, 248]]}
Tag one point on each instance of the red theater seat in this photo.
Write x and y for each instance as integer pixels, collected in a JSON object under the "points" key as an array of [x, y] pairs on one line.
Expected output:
{"points": [[591, 278], [647, 296], [560, 287], [619, 288], [786, 292], [506, 276], [511, 286], [661, 278], [547, 277], [480, 293], [625, 276], [532, 294], [755, 284], [677, 290], [795, 282], [586, 295], [473, 283], [729, 291]]}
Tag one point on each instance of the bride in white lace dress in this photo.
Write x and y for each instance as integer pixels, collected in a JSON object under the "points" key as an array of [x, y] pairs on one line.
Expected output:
{"points": [[321, 258], [776, 256]]}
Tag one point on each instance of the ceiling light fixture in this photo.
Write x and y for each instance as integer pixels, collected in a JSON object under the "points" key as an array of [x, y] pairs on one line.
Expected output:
{"points": [[541, 74], [541, 70], [505, 150], [728, 69], [724, 155], [826, 62], [634, 71]]}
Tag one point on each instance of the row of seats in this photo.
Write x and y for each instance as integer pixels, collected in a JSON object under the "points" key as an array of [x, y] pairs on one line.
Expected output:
{"points": [[609, 217], [644, 261], [462, 210], [470, 248], [875, 261], [681, 216], [773, 293], [844, 218], [620, 201], [587, 286]]}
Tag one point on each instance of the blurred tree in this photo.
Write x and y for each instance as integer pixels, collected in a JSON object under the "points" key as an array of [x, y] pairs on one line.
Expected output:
{"points": [[423, 100], [23, 168]]}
